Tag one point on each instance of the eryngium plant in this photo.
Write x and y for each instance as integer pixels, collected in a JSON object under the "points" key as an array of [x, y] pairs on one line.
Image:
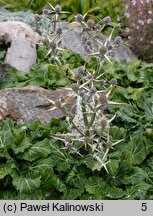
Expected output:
{"points": [[141, 28], [89, 123]]}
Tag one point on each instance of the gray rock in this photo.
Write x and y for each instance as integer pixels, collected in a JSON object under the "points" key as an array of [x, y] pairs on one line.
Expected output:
{"points": [[71, 36], [29, 18], [123, 53], [71, 39], [21, 53], [31, 103]]}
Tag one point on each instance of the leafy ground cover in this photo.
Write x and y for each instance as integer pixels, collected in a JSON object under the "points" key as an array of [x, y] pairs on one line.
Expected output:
{"points": [[36, 166]]}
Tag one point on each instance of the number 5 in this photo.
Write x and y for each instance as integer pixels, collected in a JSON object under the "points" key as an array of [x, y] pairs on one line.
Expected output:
{"points": [[144, 207]]}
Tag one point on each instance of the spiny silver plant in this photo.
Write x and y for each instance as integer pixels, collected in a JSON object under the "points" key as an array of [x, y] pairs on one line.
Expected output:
{"points": [[89, 124], [53, 39]]}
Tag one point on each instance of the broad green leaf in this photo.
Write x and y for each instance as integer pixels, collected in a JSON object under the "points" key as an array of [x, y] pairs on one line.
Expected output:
{"points": [[88, 161], [96, 166], [7, 139], [138, 191], [120, 94], [22, 145], [150, 163], [62, 160], [149, 173], [73, 193], [13, 137], [147, 70], [76, 177], [136, 93], [127, 114], [133, 73], [8, 195], [137, 148], [47, 179], [58, 125], [61, 82], [96, 185], [13, 195], [148, 107], [41, 166], [149, 133], [60, 186], [6, 169], [115, 193], [117, 133], [148, 139], [86, 196], [26, 185], [15, 78], [113, 166], [136, 177], [38, 150]]}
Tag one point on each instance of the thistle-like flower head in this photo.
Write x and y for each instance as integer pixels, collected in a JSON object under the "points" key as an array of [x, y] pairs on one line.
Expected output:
{"points": [[45, 11], [57, 9], [107, 20], [79, 18], [118, 40], [90, 23]]}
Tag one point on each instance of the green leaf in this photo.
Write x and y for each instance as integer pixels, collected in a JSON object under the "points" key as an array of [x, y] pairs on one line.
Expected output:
{"points": [[136, 93], [120, 94], [113, 166], [13, 195], [61, 82], [7, 168], [147, 72], [136, 177], [148, 138], [96, 185], [150, 163], [96, 166], [76, 177], [127, 114], [41, 166], [137, 148], [88, 160], [8, 195], [149, 173], [117, 133], [148, 107], [60, 186], [115, 193], [44, 169], [37, 150], [47, 179], [138, 191], [62, 160], [133, 73], [22, 143], [73, 194], [15, 78], [26, 185]]}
